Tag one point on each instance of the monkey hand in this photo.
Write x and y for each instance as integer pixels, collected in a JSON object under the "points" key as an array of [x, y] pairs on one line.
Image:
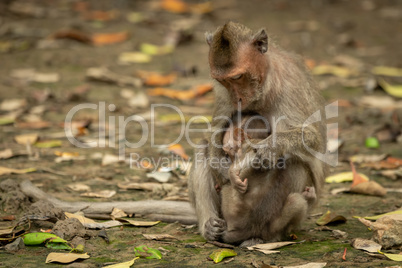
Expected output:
{"points": [[237, 183], [214, 228], [309, 194]]}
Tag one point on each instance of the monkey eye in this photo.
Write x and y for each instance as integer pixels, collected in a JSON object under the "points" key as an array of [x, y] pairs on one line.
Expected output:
{"points": [[236, 77]]}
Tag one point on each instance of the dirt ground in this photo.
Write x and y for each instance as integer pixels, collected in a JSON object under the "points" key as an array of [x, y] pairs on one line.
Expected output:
{"points": [[357, 35]]}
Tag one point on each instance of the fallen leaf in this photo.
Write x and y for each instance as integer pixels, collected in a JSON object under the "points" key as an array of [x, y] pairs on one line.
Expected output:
{"points": [[6, 120], [396, 212], [369, 188], [79, 187], [134, 57], [147, 252], [159, 237], [117, 213], [387, 71], [330, 217], [367, 245], [48, 144], [6, 170], [6, 154], [12, 104], [65, 257], [393, 90], [100, 39], [181, 94], [363, 158], [219, 254], [25, 139], [147, 186], [105, 75], [270, 246], [160, 176], [140, 223], [152, 50], [72, 34], [386, 230], [139, 100], [394, 257], [100, 194], [126, 264], [81, 218], [343, 177], [102, 225], [109, 159], [46, 78], [309, 265], [33, 239], [101, 15], [175, 6], [381, 102], [338, 71], [33, 125], [157, 79], [392, 174], [178, 150]]}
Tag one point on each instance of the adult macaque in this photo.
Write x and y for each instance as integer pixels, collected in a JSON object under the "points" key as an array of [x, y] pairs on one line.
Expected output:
{"points": [[257, 79]]}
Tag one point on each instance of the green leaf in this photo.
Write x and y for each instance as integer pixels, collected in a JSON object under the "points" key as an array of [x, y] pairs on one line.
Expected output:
{"points": [[33, 239], [372, 143], [149, 253], [58, 245], [48, 144], [373, 218], [219, 254], [394, 257]]}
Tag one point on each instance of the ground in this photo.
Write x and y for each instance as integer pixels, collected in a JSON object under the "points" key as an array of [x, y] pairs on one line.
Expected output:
{"points": [[321, 31]]}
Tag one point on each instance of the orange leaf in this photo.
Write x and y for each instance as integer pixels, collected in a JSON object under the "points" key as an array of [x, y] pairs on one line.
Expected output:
{"points": [[175, 6], [395, 161], [356, 177], [109, 38], [156, 79], [181, 94], [179, 150]]}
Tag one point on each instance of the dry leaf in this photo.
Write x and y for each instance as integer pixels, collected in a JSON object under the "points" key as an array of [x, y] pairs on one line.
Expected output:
{"points": [[65, 257], [134, 57], [105, 75], [175, 6], [367, 245], [394, 257], [159, 237], [48, 144], [100, 194], [152, 50], [126, 264], [140, 223], [147, 186], [118, 213], [381, 102], [369, 188], [157, 79], [386, 230], [343, 177], [160, 176], [393, 90], [109, 38], [181, 94], [81, 218], [101, 15], [270, 246], [72, 34], [396, 212], [12, 104], [6, 170], [309, 265], [6, 154], [139, 100], [364, 158], [392, 174], [79, 187], [103, 225], [178, 150], [330, 217], [109, 159]]}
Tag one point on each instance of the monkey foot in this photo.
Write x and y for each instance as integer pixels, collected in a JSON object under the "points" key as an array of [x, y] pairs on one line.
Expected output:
{"points": [[309, 193], [251, 242], [214, 228]]}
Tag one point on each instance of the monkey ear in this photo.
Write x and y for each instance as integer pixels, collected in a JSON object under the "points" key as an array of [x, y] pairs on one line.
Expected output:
{"points": [[260, 41], [208, 37]]}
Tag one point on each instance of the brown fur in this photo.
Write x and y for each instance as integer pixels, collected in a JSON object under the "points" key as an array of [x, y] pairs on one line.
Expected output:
{"points": [[271, 84]]}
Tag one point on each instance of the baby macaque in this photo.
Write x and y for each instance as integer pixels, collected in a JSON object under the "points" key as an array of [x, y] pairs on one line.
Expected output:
{"points": [[247, 204]]}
